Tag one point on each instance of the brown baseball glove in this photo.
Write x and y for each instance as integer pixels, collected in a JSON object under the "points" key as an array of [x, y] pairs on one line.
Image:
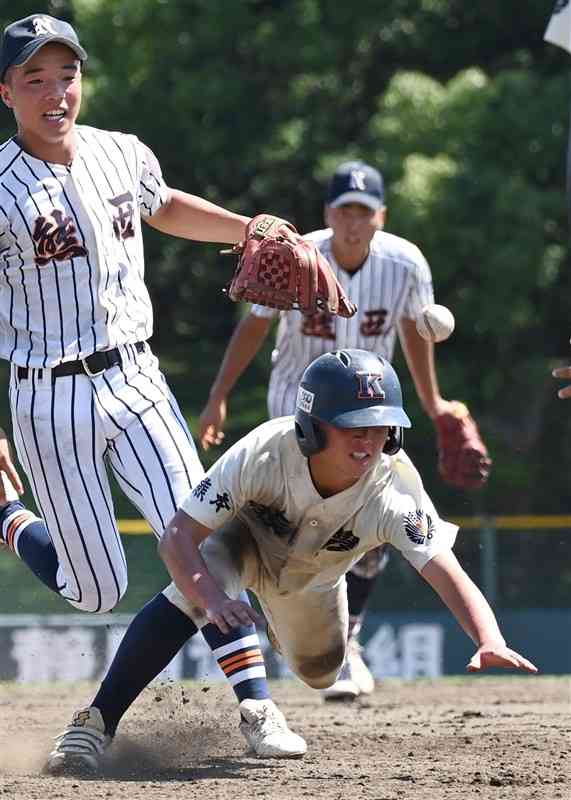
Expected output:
{"points": [[463, 459], [280, 269]]}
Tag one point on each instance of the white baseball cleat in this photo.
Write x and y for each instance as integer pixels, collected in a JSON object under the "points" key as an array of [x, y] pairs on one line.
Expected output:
{"points": [[79, 749], [354, 679], [264, 727]]}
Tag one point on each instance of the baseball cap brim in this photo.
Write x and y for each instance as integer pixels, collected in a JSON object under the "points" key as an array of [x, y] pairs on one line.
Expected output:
{"points": [[365, 199], [32, 48]]}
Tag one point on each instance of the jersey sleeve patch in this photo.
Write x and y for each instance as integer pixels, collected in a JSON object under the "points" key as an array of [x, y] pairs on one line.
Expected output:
{"points": [[418, 526]]}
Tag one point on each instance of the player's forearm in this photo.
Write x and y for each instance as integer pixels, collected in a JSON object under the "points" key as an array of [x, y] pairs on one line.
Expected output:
{"points": [[192, 217], [242, 348], [463, 598], [419, 355], [179, 551]]}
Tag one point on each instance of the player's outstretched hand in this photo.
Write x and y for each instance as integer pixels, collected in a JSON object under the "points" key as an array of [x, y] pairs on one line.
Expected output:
{"points": [[211, 422], [565, 374], [498, 655], [230, 614]]}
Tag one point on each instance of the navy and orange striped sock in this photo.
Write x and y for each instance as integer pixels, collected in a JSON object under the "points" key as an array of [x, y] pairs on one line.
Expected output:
{"points": [[14, 519], [26, 534], [240, 658]]}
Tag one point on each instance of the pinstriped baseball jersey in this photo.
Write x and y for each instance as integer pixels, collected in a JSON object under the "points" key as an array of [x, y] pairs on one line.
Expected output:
{"points": [[395, 282], [71, 248]]}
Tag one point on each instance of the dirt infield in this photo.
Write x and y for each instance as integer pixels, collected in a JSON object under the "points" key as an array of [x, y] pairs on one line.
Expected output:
{"points": [[480, 737]]}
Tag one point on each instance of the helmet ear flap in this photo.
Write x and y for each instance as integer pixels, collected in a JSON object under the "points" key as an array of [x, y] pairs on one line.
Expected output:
{"points": [[309, 434], [394, 441]]}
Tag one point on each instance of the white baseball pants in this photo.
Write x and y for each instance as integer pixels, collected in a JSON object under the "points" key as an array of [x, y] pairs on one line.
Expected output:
{"points": [[67, 431]]}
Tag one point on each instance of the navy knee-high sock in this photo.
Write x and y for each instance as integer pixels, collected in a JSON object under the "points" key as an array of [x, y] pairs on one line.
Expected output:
{"points": [[152, 639], [27, 535]]}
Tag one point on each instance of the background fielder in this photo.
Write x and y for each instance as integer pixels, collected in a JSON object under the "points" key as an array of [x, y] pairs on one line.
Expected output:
{"points": [[390, 281]]}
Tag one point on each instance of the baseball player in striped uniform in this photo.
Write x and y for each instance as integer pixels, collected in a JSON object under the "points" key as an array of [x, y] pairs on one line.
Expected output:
{"points": [[286, 512], [389, 280], [86, 391]]}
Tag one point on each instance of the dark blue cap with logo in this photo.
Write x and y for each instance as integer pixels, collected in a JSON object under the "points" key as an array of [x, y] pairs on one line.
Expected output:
{"points": [[356, 182], [23, 38]]}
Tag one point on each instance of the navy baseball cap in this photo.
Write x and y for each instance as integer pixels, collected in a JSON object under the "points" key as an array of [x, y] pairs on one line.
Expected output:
{"points": [[23, 38], [356, 182]]}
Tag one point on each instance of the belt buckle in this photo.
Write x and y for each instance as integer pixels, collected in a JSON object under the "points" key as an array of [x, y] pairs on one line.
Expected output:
{"points": [[89, 372]]}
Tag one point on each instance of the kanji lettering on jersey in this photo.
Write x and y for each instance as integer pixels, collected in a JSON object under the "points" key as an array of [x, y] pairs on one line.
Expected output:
{"points": [[319, 325], [222, 501], [55, 238], [341, 541], [374, 322], [201, 490], [123, 222], [274, 518]]}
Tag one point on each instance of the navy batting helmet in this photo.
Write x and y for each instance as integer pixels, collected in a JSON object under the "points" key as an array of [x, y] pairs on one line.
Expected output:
{"points": [[349, 389]]}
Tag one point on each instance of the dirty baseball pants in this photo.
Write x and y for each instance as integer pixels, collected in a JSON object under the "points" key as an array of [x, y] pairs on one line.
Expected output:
{"points": [[310, 625]]}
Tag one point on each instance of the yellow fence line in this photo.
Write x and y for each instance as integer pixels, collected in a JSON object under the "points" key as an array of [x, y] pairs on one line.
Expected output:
{"points": [[137, 527], [516, 523]]}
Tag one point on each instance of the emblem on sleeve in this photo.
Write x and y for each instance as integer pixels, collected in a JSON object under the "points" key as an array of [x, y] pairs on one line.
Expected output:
{"points": [[418, 526], [201, 490]]}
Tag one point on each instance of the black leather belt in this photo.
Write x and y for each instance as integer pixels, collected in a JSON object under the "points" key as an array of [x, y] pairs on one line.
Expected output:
{"points": [[93, 365]]}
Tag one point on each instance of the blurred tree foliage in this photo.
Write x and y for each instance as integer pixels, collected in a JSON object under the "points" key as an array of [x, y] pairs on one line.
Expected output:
{"points": [[252, 103]]}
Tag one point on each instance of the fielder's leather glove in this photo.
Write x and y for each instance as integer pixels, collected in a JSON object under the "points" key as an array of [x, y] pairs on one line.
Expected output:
{"points": [[280, 269], [463, 459]]}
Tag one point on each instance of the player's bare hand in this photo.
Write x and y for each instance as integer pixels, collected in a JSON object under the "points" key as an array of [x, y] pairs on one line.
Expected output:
{"points": [[230, 614], [9, 478], [488, 656], [211, 422], [565, 374]]}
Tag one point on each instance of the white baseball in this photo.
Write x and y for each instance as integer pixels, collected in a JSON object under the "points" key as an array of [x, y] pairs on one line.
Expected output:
{"points": [[435, 323]]}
